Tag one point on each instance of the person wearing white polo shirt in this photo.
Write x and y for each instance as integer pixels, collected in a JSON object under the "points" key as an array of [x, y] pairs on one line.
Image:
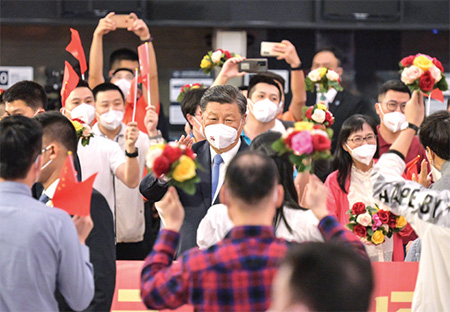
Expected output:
{"points": [[102, 155], [130, 217]]}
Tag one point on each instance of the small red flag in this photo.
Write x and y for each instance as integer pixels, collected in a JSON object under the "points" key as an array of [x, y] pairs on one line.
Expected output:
{"points": [[76, 49], [143, 61], [70, 82], [437, 95], [70, 195], [411, 168]]}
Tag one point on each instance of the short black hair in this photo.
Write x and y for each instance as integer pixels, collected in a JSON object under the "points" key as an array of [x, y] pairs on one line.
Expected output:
{"points": [[32, 93], [57, 128], [122, 54], [225, 94], [336, 52], [262, 79], [394, 85], [83, 84], [329, 277], [251, 176], [106, 86], [191, 101], [20, 145], [275, 77], [435, 133]]}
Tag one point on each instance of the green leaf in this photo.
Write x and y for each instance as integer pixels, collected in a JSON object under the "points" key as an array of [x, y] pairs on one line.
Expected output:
{"points": [[442, 84], [370, 231], [279, 146], [309, 85]]}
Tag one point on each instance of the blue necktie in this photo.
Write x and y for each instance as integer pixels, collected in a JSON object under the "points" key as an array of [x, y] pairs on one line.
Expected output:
{"points": [[44, 198], [215, 175]]}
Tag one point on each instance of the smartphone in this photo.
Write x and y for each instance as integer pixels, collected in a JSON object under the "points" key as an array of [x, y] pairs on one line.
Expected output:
{"points": [[122, 20], [257, 65], [267, 48]]}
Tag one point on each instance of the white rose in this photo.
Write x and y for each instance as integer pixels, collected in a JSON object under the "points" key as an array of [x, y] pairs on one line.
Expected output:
{"points": [[314, 75], [152, 154], [385, 227], [410, 74], [318, 116], [216, 56], [435, 73], [332, 75], [364, 219]]}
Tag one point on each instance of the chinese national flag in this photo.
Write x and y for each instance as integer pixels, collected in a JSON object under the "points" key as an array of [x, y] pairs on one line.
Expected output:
{"points": [[76, 49], [411, 168], [70, 82], [72, 196], [143, 62], [437, 95]]}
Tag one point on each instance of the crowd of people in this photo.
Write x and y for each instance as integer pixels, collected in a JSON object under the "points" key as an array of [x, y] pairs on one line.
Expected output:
{"points": [[256, 234]]}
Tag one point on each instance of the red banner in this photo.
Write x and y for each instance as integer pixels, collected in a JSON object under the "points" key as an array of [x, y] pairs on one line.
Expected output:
{"points": [[394, 287]]}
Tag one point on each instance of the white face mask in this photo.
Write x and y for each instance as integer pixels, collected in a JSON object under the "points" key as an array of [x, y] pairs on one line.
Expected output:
{"points": [[111, 120], [363, 153], [84, 112], [124, 85], [199, 130], [393, 121], [265, 110], [221, 136]]}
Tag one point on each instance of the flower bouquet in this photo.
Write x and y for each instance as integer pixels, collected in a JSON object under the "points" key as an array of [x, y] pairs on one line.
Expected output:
{"points": [[216, 58], [318, 114], [324, 78], [305, 142], [422, 72], [84, 132], [187, 87], [174, 162], [372, 224]]}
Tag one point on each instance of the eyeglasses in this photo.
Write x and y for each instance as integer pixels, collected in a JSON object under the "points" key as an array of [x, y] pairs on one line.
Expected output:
{"points": [[359, 140], [393, 105]]}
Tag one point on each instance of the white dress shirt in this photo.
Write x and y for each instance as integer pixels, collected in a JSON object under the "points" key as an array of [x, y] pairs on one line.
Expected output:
{"points": [[226, 157], [217, 223]]}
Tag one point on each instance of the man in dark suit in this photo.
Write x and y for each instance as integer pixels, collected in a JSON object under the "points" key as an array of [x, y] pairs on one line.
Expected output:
{"points": [[59, 138], [223, 118], [341, 104]]}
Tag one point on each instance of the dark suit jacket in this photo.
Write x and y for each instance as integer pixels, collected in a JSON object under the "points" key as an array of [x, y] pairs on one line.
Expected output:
{"points": [[343, 106], [195, 206], [102, 249]]}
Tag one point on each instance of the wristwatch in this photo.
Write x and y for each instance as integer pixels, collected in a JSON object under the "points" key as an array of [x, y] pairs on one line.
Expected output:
{"points": [[132, 155], [407, 125]]}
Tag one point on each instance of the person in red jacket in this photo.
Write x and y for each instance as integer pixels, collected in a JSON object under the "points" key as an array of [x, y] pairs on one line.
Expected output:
{"points": [[350, 183]]}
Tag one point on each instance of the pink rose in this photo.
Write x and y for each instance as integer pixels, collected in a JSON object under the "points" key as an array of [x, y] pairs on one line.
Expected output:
{"points": [[435, 73], [302, 143], [364, 219], [410, 74], [376, 222]]}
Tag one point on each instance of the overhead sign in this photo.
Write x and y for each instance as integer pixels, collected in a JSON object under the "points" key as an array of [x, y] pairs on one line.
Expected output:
{"points": [[9, 75]]}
